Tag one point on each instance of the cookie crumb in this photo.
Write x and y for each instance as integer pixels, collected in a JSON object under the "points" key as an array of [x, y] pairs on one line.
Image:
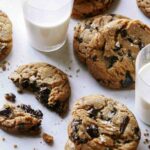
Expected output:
{"points": [[3, 65], [78, 70], [10, 97], [3, 139], [15, 146], [48, 138], [19, 90]]}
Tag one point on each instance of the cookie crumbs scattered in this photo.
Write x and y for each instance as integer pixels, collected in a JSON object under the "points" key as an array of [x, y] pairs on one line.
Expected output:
{"points": [[47, 138], [10, 97], [3, 139], [147, 138], [69, 68], [15, 146]]}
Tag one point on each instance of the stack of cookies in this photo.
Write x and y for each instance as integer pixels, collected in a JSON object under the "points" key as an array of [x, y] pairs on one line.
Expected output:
{"points": [[109, 45]]}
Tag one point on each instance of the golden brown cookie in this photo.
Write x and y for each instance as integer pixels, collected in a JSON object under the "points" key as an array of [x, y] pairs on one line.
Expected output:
{"points": [[49, 84], [5, 35], [113, 53], [144, 5], [20, 119], [86, 30], [100, 123], [84, 8]]}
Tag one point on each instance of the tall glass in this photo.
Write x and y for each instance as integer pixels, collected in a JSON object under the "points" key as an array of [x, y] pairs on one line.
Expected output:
{"points": [[142, 93], [47, 22]]}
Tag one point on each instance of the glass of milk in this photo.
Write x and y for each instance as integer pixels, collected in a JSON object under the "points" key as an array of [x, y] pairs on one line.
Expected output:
{"points": [[142, 92], [47, 22]]}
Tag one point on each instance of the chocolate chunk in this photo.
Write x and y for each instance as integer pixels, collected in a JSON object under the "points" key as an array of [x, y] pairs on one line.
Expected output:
{"points": [[10, 97], [94, 58], [137, 133], [111, 60], [5, 112], [130, 40], [124, 124], [141, 45], [33, 86], [43, 94], [123, 33], [28, 109], [25, 83], [128, 80], [57, 107], [92, 130], [93, 112], [80, 40]]}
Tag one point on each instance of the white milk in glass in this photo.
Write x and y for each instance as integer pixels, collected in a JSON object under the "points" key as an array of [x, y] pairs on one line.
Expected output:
{"points": [[47, 22], [143, 93]]}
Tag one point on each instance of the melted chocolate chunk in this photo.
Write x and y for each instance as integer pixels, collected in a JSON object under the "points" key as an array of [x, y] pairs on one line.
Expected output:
{"points": [[92, 130], [130, 40], [123, 33], [33, 86], [5, 112], [80, 40], [141, 45], [43, 95], [124, 124], [94, 58], [112, 60], [57, 107], [28, 109], [25, 83], [128, 80], [93, 112]]}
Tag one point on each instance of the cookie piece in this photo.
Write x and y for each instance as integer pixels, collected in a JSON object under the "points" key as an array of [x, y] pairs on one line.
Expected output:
{"points": [[100, 123], [50, 85], [48, 138], [86, 30], [20, 119], [84, 8], [5, 35], [113, 53], [144, 5]]}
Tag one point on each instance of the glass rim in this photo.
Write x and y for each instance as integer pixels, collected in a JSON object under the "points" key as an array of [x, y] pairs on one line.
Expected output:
{"points": [[137, 62], [34, 7]]}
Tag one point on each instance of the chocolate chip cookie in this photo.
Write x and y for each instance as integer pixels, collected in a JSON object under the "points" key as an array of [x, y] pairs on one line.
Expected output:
{"points": [[50, 85], [100, 123], [113, 53], [144, 5], [20, 119], [86, 30], [84, 8], [5, 35]]}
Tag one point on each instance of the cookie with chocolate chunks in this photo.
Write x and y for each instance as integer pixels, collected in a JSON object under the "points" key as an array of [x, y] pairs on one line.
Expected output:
{"points": [[5, 35], [20, 119], [100, 123], [86, 30], [113, 52], [83, 8], [49, 84]]}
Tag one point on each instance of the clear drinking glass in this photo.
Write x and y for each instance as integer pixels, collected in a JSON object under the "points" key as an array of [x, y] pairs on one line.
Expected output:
{"points": [[47, 22], [142, 92]]}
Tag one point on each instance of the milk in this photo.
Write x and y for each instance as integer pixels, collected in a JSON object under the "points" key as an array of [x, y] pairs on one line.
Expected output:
{"points": [[142, 102], [47, 22]]}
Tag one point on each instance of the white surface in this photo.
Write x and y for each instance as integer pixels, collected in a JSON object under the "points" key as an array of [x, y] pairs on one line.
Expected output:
{"points": [[81, 85]]}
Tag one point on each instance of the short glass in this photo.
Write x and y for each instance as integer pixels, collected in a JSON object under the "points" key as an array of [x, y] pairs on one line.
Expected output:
{"points": [[142, 91], [47, 22]]}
